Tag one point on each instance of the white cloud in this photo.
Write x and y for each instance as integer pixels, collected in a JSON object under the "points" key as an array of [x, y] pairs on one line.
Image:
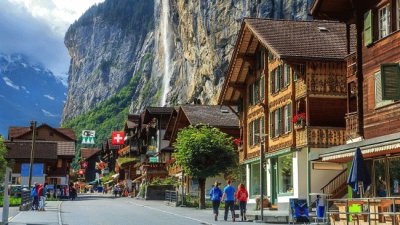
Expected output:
{"points": [[48, 114], [36, 28], [10, 83], [49, 97]]}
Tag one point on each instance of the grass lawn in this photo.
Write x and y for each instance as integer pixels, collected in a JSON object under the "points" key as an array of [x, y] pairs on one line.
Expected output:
{"points": [[13, 201]]}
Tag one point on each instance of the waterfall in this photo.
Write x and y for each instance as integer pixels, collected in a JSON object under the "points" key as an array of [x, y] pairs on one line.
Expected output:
{"points": [[164, 23]]}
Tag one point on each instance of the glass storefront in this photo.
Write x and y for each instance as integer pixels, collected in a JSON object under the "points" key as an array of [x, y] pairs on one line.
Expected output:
{"points": [[386, 177], [255, 180], [285, 174]]}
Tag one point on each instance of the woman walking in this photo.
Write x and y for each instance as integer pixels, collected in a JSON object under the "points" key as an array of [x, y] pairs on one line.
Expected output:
{"points": [[215, 195], [242, 196]]}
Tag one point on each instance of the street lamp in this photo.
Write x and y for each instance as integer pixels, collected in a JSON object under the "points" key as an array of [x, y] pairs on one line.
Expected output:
{"points": [[33, 128], [262, 140]]}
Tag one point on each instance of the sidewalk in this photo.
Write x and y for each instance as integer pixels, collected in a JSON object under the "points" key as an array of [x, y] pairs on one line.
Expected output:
{"points": [[48, 217]]}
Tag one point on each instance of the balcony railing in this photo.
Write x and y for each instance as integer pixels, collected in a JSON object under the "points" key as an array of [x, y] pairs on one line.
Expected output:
{"points": [[320, 137], [352, 125]]}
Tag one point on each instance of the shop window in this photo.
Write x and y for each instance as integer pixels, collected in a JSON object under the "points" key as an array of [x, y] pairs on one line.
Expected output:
{"points": [[394, 174], [285, 174], [380, 178], [379, 102], [255, 181], [384, 21]]}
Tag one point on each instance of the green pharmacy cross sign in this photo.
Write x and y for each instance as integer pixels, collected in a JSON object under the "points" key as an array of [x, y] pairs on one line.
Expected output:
{"points": [[88, 136]]}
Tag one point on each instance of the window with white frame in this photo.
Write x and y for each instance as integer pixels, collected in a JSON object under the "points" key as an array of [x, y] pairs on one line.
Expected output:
{"points": [[384, 21], [286, 76]]}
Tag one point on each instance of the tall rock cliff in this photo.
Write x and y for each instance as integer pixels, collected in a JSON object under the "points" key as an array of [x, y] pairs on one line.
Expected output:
{"points": [[191, 41]]}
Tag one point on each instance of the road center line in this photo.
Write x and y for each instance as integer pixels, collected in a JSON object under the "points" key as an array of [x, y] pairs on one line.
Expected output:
{"points": [[174, 214]]}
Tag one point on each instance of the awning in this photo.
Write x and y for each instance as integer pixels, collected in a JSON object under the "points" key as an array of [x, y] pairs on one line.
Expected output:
{"points": [[367, 152]]}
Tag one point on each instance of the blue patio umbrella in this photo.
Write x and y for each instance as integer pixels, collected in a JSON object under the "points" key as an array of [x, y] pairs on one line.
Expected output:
{"points": [[358, 172]]}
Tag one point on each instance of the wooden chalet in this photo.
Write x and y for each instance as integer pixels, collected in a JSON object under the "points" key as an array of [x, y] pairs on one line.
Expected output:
{"points": [[221, 117], [54, 151], [373, 81], [288, 80], [90, 156], [109, 154]]}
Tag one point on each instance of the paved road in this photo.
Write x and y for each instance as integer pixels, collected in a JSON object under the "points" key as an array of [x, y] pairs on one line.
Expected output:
{"points": [[105, 210]]}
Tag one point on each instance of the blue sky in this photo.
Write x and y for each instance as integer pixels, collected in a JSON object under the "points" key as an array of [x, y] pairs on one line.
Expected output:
{"points": [[36, 28]]}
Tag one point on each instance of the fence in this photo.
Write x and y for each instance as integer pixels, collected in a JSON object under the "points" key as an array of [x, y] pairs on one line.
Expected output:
{"points": [[26, 200], [171, 196], [365, 211]]}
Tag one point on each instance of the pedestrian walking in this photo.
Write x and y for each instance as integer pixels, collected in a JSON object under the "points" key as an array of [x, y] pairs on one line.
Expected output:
{"points": [[115, 191], [43, 195], [229, 198], [215, 196], [34, 195], [242, 195]]}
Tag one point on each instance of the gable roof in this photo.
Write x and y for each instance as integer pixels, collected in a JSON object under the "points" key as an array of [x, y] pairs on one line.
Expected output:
{"points": [[86, 153], [160, 110], [213, 115], [22, 150], [16, 132], [314, 39]]}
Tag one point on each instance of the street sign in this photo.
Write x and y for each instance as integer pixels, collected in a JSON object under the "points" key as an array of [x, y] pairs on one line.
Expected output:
{"points": [[88, 136], [153, 159], [118, 138]]}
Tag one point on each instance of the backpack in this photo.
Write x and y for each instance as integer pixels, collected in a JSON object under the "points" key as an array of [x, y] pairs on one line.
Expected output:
{"points": [[33, 192]]}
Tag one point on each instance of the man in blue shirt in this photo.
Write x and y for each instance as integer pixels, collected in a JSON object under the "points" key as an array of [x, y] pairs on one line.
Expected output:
{"points": [[229, 197]]}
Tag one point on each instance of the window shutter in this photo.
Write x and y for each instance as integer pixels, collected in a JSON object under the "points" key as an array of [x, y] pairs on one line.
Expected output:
{"points": [[378, 89], [390, 78], [287, 75], [289, 117], [256, 90], [262, 128], [271, 122], [272, 75], [278, 78], [368, 28], [262, 93], [249, 94], [262, 61], [249, 131], [279, 121]]}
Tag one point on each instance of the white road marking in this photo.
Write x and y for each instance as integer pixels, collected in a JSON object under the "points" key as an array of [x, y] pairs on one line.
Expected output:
{"points": [[59, 213], [13, 217], [174, 214]]}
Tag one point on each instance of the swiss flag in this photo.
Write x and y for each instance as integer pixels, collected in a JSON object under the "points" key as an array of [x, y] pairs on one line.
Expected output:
{"points": [[118, 138]]}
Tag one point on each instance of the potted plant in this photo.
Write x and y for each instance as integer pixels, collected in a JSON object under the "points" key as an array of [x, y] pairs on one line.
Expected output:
{"points": [[299, 120]]}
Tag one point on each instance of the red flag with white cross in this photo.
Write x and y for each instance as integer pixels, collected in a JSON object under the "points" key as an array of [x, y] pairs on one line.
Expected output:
{"points": [[117, 138]]}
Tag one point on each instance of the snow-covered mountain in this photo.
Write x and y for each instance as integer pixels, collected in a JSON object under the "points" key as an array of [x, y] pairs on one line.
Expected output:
{"points": [[28, 91]]}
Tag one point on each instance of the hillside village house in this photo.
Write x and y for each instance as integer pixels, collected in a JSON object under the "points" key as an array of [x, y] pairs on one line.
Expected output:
{"points": [[373, 79], [282, 71], [220, 117], [90, 156], [54, 151]]}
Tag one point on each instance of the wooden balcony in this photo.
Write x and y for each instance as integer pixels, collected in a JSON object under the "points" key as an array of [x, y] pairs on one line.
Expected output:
{"points": [[301, 88], [326, 84], [352, 130], [320, 137]]}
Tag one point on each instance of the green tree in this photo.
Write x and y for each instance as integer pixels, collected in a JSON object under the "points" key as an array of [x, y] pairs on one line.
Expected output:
{"points": [[3, 162], [202, 152]]}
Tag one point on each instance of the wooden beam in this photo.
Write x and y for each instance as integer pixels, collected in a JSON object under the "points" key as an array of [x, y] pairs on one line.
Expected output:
{"points": [[238, 86]]}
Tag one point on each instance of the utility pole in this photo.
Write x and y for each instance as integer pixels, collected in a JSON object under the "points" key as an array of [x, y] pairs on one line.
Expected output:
{"points": [[33, 127], [6, 198]]}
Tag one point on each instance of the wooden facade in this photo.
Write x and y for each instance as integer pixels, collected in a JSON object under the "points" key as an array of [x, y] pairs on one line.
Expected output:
{"points": [[54, 148], [314, 87]]}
